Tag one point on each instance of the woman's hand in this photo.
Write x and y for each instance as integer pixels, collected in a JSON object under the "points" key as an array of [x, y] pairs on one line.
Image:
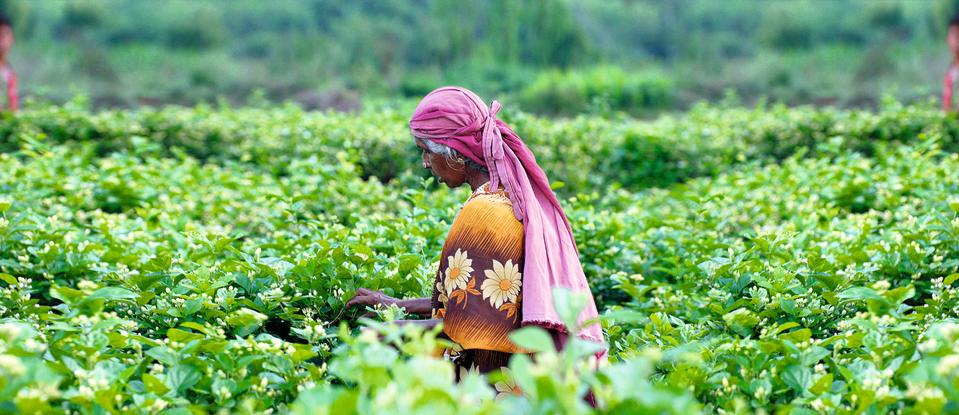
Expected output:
{"points": [[370, 298]]}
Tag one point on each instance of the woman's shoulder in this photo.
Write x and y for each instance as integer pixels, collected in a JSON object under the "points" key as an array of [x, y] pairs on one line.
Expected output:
{"points": [[498, 199], [492, 205], [489, 213]]}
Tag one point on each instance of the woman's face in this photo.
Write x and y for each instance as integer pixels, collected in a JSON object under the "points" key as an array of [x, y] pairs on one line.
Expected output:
{"points": [[447, 171]]}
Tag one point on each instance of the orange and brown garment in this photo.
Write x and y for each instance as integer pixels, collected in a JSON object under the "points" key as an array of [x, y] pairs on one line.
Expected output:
{"points": [[478, 287]]}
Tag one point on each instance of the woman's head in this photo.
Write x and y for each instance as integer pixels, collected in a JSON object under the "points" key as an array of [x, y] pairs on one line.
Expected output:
{"points": [[448, 125], [447, 164]]}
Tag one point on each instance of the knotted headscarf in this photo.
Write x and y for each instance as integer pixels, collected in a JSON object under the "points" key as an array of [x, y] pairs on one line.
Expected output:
{"points": [[458, 118]]}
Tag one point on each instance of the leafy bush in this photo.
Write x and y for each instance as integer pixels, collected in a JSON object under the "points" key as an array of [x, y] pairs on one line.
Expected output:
{"points": [[810, 284], [209, 271], [405, 379], [620, 151], [572, 92]]}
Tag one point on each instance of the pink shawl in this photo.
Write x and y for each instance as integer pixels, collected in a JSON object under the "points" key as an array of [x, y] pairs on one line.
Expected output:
{"points": [[458, 118]]}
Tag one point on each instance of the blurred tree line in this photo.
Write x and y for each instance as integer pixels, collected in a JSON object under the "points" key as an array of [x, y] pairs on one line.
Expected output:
{"points": [[325, 53]]}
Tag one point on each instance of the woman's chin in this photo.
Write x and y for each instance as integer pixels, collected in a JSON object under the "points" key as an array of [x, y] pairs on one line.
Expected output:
{"points": [[448, 183]]}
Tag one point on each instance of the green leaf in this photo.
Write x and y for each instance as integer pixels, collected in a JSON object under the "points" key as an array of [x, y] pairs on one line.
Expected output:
{"points": [[950, 279], [626, 316], [195, 326], [789, 306], [568, 305], [532, 338], [408, 262], [145, 297], [302, 352], [714, 265], [245, 317], [112, 293], [332, 401], [181, 377], [245, 321], [181, 336], [163, 354], [741, 321], [785, 326], [797, 336], [7, 278], [822, 385], [860, 293], [799, 378], [192, 306], [521, 366], [831, 298], [899, 295], [66, 294], [813, 355], [154, 385]]}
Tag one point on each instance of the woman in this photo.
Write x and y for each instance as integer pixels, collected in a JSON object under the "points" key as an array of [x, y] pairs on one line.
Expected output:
{"points": [[509, 245]]}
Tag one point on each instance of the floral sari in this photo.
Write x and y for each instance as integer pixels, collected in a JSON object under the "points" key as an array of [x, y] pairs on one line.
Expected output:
{"points": [[478, 286]]}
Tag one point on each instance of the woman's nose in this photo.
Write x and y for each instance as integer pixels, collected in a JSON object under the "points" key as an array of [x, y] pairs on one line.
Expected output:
{"points": [[426, 161]]}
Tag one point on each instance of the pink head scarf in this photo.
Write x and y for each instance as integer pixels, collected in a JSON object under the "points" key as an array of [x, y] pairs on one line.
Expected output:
{"points": [[458, 118]]}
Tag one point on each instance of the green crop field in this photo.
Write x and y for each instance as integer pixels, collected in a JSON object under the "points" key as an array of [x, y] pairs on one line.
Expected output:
{"points": [[197, 260]]}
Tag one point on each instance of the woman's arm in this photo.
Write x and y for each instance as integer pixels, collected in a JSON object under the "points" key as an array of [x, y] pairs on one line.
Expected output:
{"points": [[419, 306], [372, 298]]}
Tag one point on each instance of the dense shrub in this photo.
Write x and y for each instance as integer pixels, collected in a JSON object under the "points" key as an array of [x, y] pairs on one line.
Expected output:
{"points": [[582, 152], [140, 278], [603, 88]]}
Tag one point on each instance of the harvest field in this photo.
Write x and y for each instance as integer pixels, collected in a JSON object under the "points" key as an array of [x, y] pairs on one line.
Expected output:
{"points": [[196, 260]]}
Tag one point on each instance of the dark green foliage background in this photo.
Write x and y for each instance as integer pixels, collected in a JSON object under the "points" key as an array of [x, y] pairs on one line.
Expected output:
{"points": [[549, 56]]}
